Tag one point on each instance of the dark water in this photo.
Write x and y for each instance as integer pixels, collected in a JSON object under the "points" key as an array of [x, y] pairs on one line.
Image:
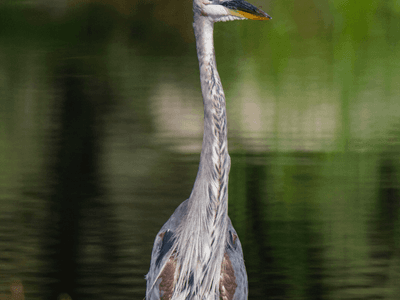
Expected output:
{"points": [[100, 135]]}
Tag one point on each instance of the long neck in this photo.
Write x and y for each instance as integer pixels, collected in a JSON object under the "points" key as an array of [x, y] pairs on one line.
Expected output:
{"points": [[202, 232], [214, 159]]}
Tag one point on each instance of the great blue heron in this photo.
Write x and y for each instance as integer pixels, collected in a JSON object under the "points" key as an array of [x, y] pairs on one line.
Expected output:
{"points": [[197, 254]]}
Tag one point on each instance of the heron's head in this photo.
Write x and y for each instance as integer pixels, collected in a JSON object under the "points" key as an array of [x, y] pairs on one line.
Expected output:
{"points": [[228, 10]]}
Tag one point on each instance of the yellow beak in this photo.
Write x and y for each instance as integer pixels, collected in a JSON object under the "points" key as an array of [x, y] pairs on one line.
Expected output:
{"points": [[246, 10]]}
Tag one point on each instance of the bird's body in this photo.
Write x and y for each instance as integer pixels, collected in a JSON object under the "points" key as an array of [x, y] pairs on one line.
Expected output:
{"points": [[197, 254]]}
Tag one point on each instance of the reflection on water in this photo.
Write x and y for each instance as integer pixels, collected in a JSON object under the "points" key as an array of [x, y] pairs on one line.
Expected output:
{"points": [[100, 143]]}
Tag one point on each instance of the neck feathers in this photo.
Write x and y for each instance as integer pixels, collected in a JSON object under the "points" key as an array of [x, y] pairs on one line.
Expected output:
{"points": [[201, 245], [214, 158], [210, 191]]}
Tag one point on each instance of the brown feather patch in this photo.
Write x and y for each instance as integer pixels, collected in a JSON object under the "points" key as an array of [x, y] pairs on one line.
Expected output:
{"points": [[168, 281], [227, 284], [234, 238]]}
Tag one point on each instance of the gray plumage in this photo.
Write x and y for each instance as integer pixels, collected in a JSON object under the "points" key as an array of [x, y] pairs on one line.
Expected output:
{"points": [[197, 254]]}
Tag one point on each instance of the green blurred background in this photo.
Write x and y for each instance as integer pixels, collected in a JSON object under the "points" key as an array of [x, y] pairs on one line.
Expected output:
{"points": [[101, 128]]}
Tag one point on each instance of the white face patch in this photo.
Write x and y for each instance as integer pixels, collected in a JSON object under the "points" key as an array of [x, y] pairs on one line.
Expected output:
{"points": [[229, 18], [215, 11], [219, 13]]}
